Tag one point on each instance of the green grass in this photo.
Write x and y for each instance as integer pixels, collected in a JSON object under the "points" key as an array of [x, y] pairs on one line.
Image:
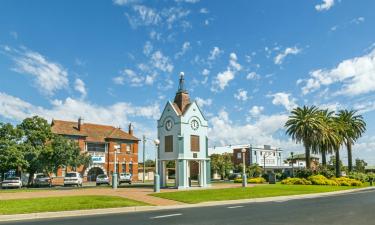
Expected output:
{"points": [[54, 204], [260, 191]]}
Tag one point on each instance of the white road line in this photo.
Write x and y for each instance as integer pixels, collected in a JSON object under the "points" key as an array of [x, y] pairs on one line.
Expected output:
{"points": [[234, 207], [164, 216]]}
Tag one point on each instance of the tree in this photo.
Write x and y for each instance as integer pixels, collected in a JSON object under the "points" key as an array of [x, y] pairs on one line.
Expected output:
{"points": [[36, 135], [221, 164], [11, 156], [360, 165], [302, 126], [254, 170], [354, 126]]}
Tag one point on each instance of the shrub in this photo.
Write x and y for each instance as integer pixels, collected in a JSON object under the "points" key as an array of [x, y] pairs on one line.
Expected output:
{"points": [[345, 181], [325, 171], [303, 173], [258, 180], [320, 180], [293, 181], [237, 180], [358, 176]]}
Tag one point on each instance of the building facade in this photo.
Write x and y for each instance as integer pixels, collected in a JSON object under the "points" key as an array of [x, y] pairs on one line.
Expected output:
{"points": [[264, 156], [99, 142], [299, 161], [182, 131]]}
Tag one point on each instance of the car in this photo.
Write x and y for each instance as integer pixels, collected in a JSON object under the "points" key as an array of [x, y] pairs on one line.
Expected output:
{"points": [[42, 180], [125, 178], [102, 179], [11, 182], [73, 178]]}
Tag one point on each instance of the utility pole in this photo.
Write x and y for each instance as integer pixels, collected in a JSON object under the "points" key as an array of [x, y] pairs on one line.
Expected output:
{"points": [[144, 157]]}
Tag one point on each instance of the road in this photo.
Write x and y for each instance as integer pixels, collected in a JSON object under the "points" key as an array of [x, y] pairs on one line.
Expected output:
{"points": [[353, 208]]}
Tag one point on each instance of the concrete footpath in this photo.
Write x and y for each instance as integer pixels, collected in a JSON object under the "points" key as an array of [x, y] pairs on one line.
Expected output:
{"points": [[47, 215]]}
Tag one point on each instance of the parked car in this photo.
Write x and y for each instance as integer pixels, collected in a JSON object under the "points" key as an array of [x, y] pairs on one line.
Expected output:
{"points": [[42, 180], [233, 176], [73, 178], [102, 179], [125, 178], [11, 182]]}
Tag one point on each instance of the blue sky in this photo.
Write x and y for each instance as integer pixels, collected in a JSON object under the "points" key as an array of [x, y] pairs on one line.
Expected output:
{"points": [[247, 63]]}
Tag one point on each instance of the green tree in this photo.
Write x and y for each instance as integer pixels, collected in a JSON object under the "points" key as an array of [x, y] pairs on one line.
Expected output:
{"points": [[354, 126], [302, 125], [360, 165], [11, 156], [222, 164], [35, 144], [254, 170]]}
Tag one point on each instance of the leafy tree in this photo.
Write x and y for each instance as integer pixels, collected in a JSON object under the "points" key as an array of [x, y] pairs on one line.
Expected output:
{"points": [[355, 126], [35, 146], [11, 156], [149, 163], [222, 164], [360, 165], [254, 170], [302, 126]]}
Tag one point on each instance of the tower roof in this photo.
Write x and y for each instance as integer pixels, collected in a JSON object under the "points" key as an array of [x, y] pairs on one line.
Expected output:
{"points": [[182, 98]]}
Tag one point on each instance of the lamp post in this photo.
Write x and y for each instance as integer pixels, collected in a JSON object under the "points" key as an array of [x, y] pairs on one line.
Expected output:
{"points": [[114, 175], [156, 175], [144, 157], [292, 154], [244, 178]]}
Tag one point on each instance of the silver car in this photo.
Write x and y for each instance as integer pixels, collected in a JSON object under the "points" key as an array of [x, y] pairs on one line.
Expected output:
{"points": [[102, 179], [42, 180], [11, 182], [125, 178]]}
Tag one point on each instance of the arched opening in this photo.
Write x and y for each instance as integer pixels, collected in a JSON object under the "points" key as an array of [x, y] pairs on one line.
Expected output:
{"points": [[93, 173], [194, 173]]}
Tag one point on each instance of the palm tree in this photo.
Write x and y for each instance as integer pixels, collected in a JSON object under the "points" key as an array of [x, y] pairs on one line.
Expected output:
{"points": [[339, 128], [355, 126], [303, 125]]}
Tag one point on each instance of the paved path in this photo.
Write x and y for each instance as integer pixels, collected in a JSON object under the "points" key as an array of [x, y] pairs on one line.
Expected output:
{"points": [[135, 193], [349, 208]]}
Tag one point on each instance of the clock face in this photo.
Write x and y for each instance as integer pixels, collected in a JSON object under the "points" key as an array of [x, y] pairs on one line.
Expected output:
{"points": [[194, 124], [168, 125]]}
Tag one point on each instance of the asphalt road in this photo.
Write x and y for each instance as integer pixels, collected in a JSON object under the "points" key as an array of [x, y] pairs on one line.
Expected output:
{"points": [[354, 208]]}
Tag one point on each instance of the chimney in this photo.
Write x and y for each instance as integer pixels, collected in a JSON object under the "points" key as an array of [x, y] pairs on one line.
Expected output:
{"points": [[130, 129], [80, 123]]}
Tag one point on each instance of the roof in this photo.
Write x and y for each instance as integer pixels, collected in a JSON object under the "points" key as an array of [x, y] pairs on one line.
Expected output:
{"points": [[302, 156], [92, 132]]}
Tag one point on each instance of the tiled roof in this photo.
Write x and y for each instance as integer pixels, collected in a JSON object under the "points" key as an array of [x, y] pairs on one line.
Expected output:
{"points": [[92, 132], [302, 156]]}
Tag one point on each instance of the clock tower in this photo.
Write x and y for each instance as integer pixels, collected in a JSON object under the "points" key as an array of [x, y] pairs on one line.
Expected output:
{"points": [[182, 131]]}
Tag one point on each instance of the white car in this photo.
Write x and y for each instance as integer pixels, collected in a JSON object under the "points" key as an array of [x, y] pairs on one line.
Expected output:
{"points": [[102, 179], [125, 178], [11, 182], [73, 178]]}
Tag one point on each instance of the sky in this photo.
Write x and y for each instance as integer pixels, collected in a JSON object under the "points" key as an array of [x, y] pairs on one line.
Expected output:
{"points": [[246, 63]]}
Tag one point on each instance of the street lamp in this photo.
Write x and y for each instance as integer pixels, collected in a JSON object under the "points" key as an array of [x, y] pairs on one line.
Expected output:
{"points": [[244, 179], [156, 175], [114, 175], [292, 154]]}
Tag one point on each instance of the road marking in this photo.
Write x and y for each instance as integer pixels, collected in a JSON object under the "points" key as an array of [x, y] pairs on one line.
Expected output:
{"points": [[164, 216], [234, 207]]}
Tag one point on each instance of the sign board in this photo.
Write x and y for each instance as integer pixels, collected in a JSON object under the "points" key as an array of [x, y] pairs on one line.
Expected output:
{"points": [[98, 159]]}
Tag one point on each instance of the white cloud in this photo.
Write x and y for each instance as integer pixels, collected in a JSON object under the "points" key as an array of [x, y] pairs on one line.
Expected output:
{"points": [[325, 5], [355, 75], [214, 53], [253, 76], [288, 51], [284, 99], [358, 20], [161, 62], [130, 77], [80, 86], [205, 72], [256, 111], [203, 102], [185, 47], [241, 95], [70, 109], [147, 48], [223, 78], [204, 11], [188, 1], [48, 76], [124, 2]]}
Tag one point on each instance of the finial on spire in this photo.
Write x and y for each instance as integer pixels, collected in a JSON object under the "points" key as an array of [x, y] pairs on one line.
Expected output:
{"points": [[181, 83]]}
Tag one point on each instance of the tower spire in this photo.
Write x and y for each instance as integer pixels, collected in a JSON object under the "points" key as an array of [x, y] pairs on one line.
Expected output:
{"points": [[182, 99], [181, 84]]}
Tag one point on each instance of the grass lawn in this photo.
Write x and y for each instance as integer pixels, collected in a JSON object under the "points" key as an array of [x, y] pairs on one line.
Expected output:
{"points": [[53, 204], [260, 191]]}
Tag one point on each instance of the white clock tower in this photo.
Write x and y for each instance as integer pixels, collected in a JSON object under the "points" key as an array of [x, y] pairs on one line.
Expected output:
{"points": [[182, 131]]}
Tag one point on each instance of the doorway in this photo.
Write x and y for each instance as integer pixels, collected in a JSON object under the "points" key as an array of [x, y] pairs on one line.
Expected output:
{"points": [[93, 173]]}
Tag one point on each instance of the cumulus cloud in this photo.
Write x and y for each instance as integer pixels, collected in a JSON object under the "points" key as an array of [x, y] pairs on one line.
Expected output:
{"points": [[48, 76], [288, 51], [253, 76], [241, 95], [185, 47], [356, 76], [325, 5], [161, 62], [124, 2], [205, 72], [80, 86], [133, 79], [256, 111], [214, 53], [223, 78], [283, 99], [70, 109], [203, 102]]}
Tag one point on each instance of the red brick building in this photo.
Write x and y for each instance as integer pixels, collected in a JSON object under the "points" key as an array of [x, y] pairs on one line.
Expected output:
{"points": [[99, 141]]}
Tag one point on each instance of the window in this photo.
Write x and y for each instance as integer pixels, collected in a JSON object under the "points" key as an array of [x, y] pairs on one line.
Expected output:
{"points": [[255, 153], [194, 143], [96, 147], [238, 155], [123, 167], [131, 168], [128, 147], [168, 143]]}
